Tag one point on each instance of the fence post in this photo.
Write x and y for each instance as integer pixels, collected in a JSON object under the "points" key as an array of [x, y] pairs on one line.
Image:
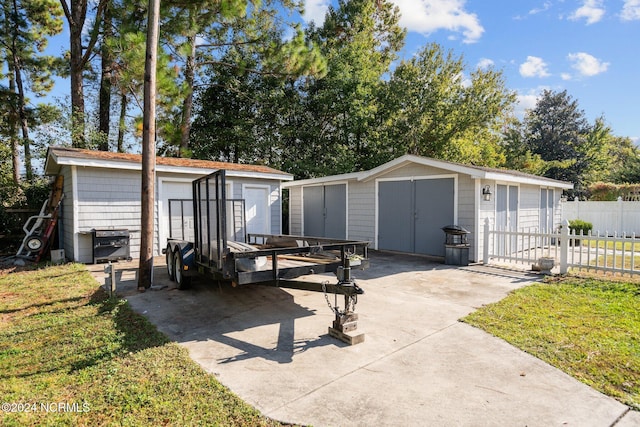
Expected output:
{"points": [[485, 248], [564, 247], [621, 227]]}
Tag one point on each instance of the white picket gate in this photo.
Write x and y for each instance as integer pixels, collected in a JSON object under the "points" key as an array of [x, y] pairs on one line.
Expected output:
{"points": [[617, 254]]}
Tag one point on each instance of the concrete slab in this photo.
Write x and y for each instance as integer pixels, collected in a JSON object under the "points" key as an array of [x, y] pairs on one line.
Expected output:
{"points": [[417, 366]]}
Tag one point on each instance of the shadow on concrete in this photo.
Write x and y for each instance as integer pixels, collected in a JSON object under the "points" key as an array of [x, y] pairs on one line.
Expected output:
{"points": [[255, 321], [263, 316]]}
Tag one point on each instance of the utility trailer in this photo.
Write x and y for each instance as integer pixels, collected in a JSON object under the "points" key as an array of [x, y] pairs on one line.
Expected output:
{"points": [[208, 237]]}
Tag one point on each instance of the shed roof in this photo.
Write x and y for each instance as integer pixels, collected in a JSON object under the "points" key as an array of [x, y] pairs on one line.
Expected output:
{"points": [[59, 156], [476, 172]]}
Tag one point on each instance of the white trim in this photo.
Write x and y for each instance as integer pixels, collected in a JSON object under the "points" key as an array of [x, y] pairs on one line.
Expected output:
{"points": [[197, 172], [475, 173], [301, 210], [477, 199], [346, 210], [76, 210], [280, 209]]}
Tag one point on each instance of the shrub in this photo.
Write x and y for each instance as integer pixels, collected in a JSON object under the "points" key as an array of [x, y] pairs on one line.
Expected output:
{"points": [[603, 191], [580, 227]]}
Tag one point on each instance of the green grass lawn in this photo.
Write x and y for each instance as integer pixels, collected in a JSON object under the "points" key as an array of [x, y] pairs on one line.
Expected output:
{"points": [[588, 328], [620, 262], [71, 356], [628, 246]]}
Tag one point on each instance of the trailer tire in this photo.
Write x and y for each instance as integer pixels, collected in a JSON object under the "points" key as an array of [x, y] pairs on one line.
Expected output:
{"points": [[182, 281], [170, 264]]}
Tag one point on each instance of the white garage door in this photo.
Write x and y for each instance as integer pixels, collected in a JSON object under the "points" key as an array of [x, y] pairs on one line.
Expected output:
{"points": [[180, 223], [257, 208]]}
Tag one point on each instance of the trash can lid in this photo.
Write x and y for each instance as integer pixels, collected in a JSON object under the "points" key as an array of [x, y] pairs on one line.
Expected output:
{"points": [[455, 229]]}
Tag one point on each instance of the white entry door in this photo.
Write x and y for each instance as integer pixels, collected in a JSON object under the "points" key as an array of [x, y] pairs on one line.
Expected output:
{"points": [[257, 208]]}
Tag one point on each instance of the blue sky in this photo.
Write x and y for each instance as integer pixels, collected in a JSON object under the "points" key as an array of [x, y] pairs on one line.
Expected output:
{"points": [[591, 48]]}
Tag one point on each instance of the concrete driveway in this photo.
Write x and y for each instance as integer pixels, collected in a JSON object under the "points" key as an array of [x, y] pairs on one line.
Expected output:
{"points": [[418, 365]]}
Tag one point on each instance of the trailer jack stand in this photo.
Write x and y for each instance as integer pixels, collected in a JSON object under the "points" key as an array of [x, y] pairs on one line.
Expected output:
{"points": [[343, 328]]}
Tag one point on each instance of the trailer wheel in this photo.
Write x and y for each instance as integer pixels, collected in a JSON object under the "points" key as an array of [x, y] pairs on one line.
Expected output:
{"points": [[182, 281], [170, 267]]}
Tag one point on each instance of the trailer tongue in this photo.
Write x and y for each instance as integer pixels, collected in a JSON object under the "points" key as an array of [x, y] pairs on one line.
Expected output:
{"points": [[217, 246]]}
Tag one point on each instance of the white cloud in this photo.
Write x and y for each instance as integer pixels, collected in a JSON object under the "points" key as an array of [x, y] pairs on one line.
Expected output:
{"points": [[528, 100], [524, 102], [630, 10], [315, 10], [534, 67], [428, 16], [566, 76], [586, 64], [546, 6], [485, 63], [591, 10]]}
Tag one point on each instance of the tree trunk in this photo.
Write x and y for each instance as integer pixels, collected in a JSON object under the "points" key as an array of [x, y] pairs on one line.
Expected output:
{"points": [[149, 149], [76, 17], [187, 106], [15, 141], [24, 125], [15, 157], [16, 65], [121, 122], [76, 23], [105, 80]]}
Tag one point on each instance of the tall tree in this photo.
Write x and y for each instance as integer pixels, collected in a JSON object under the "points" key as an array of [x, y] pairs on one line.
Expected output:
{"points": [[556, 130], [623, 161], [202, 36], [436, 108], [516, 150], [360, 39], [236, 108], [149, 148], [26, 27], [107, 64], [80, 53]]}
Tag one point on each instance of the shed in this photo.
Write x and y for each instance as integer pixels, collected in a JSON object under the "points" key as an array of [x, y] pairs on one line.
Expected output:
{"points": [[102, 191], [402, 205]]}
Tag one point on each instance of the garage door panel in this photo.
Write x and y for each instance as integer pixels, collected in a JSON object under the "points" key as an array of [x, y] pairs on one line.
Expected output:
{"points": [[395, 231], [412, 214], [325, 211], [335, 223], [434, 210], [313, 206]]}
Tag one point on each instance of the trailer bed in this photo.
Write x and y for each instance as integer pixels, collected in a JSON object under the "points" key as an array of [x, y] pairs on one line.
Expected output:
{"points": [[218, 246]]}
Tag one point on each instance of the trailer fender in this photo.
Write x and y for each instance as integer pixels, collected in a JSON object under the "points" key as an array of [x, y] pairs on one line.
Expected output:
{"points": [[188, 255]]}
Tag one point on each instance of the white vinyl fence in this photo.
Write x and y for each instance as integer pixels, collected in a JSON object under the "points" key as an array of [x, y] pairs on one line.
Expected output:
{"points": [[617, 254], [609, 217]]}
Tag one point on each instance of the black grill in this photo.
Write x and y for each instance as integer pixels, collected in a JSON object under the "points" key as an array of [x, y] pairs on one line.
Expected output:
{"points": [[110, 245]]}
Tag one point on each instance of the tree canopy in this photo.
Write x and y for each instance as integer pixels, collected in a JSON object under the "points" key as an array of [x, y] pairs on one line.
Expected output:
{"points": [[242, 81]]}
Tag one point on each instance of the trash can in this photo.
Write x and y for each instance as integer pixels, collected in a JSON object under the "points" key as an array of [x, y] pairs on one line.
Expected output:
{"points": [[456, 245]]}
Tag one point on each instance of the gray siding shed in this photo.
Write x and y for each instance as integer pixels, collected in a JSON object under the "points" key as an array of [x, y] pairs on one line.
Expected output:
{"points": [[102, 191], [470, 210]]}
